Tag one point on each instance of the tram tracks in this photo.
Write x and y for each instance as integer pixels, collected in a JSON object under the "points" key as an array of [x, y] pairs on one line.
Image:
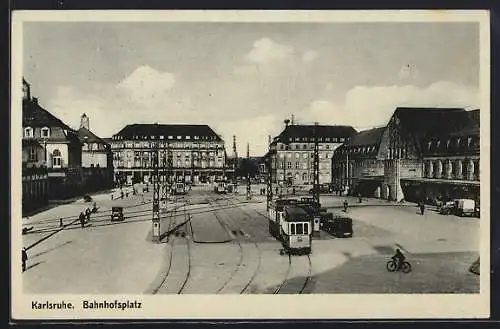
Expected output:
{"points": [[178, 271], [287, 286]]}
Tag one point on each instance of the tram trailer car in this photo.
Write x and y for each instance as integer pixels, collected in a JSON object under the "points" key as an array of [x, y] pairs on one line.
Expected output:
{"points": [[296, 230], [220, 188], [276, 214], [179, 188]]}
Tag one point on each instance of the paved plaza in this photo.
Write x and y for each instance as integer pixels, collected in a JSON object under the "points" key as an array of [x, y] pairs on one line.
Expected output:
{"points": [[225, 248]]}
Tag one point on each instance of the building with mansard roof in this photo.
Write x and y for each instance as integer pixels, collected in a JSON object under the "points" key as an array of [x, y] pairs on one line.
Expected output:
{"points": [[190, 153], [291, 152], [421, 153]]}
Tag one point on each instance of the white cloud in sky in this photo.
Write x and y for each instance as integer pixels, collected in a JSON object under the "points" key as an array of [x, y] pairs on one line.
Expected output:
{"points": [[309, 56], [250, 130], [266, 50], [365, 106], [146, 85]]}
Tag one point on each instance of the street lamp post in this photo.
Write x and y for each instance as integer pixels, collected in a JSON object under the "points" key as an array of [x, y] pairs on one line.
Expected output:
{"points": [[316, 164]]}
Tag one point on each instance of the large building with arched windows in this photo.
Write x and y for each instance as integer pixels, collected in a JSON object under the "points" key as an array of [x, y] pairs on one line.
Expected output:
{"points": [[422, 153]]}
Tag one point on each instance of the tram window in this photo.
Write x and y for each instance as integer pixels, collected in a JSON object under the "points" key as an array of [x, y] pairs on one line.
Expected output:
{"points": [[292, 228], [300, 229]]}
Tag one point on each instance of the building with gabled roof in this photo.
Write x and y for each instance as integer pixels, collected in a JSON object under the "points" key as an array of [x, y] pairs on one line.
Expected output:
{"points": [[62, 154]]}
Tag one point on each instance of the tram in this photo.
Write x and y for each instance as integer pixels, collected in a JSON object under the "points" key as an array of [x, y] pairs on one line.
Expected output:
{"points": [[276, 216], [220, 188], [296, 230], [179, 188]]}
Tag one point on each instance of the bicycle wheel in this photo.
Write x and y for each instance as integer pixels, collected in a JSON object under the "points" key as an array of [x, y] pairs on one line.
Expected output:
{"points": [[391, 266], [406, 267]]}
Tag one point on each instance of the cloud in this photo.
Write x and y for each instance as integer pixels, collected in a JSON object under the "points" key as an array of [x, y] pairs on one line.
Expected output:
{"points": [[146, 85], [249, 130], [266, 50], [309, 56], [365, 106]]}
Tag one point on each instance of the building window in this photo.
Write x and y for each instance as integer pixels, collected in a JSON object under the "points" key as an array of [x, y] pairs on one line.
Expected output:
{"points": [[28, 132], [170, 137], [304, 146], [33, 155], [281, 165], [95, 147], [289, 165], [45, 132], [56, 159], [297, 165]]}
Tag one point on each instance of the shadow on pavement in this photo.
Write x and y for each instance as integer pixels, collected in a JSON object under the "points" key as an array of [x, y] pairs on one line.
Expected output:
{"points": [[51, 249]]}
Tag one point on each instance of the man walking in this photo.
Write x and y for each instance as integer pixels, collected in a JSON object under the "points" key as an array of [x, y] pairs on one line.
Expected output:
{"points": [[82, 219], [345, 206], [24, 258], [422, 208]]}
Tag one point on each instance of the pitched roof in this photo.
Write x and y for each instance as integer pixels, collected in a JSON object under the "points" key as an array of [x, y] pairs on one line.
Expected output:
{"points": [[87, 136], [324, 131], [429, 123], [366, 137], [36, 116], [183, 130]]}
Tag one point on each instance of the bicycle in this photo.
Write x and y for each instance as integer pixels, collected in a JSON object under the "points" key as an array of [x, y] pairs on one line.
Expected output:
{"points": [[392, 266]]}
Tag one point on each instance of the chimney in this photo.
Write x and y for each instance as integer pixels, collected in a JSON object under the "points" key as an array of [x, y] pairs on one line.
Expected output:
{"points": [[84, 122], [293, 120], [35, 100], [287, 122], [269, 140]]}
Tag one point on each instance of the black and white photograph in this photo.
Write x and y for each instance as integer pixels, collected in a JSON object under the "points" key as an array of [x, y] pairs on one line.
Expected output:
{"points": [[340, 159]]}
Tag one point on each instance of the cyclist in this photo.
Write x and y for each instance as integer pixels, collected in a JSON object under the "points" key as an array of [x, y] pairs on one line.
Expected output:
{"points": [[398, 258]]}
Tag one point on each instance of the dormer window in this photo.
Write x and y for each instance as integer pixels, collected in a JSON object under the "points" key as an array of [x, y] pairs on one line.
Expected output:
{"points": [[469, 141], [438, 144], [448, 143], [458, 141], [429, 144], [28, 132], [45, 132]]}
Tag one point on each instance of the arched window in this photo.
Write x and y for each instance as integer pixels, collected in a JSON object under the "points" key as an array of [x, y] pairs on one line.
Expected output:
{"points": [[45, 132], [56, 159], [28, 132], [95, 147]]}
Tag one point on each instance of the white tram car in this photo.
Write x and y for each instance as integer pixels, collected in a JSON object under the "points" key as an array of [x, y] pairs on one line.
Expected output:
{"points": [[179, 188], [292, 225], [220, 188]]}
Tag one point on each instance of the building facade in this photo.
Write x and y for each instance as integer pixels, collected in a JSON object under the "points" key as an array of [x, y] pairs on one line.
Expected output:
{"points": [[292, 152], [62, 153], [189, 153], [358, 165], [97, 158], [35, 180], [421, 153]]}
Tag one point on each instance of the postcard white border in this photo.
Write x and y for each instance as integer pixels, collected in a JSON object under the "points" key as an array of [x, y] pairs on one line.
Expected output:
{"points": [[318, 306]]}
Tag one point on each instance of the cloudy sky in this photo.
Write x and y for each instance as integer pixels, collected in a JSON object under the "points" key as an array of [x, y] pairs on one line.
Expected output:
{"points": [[246, 78]]}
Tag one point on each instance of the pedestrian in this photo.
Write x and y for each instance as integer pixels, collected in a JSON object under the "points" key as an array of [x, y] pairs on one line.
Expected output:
{"points": [[126, 194], [111, 196], [60, 222], [345, 205], [422, 208], [293, 191], [121, 194], [359, 197], [82, 220], [24, 258]]}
